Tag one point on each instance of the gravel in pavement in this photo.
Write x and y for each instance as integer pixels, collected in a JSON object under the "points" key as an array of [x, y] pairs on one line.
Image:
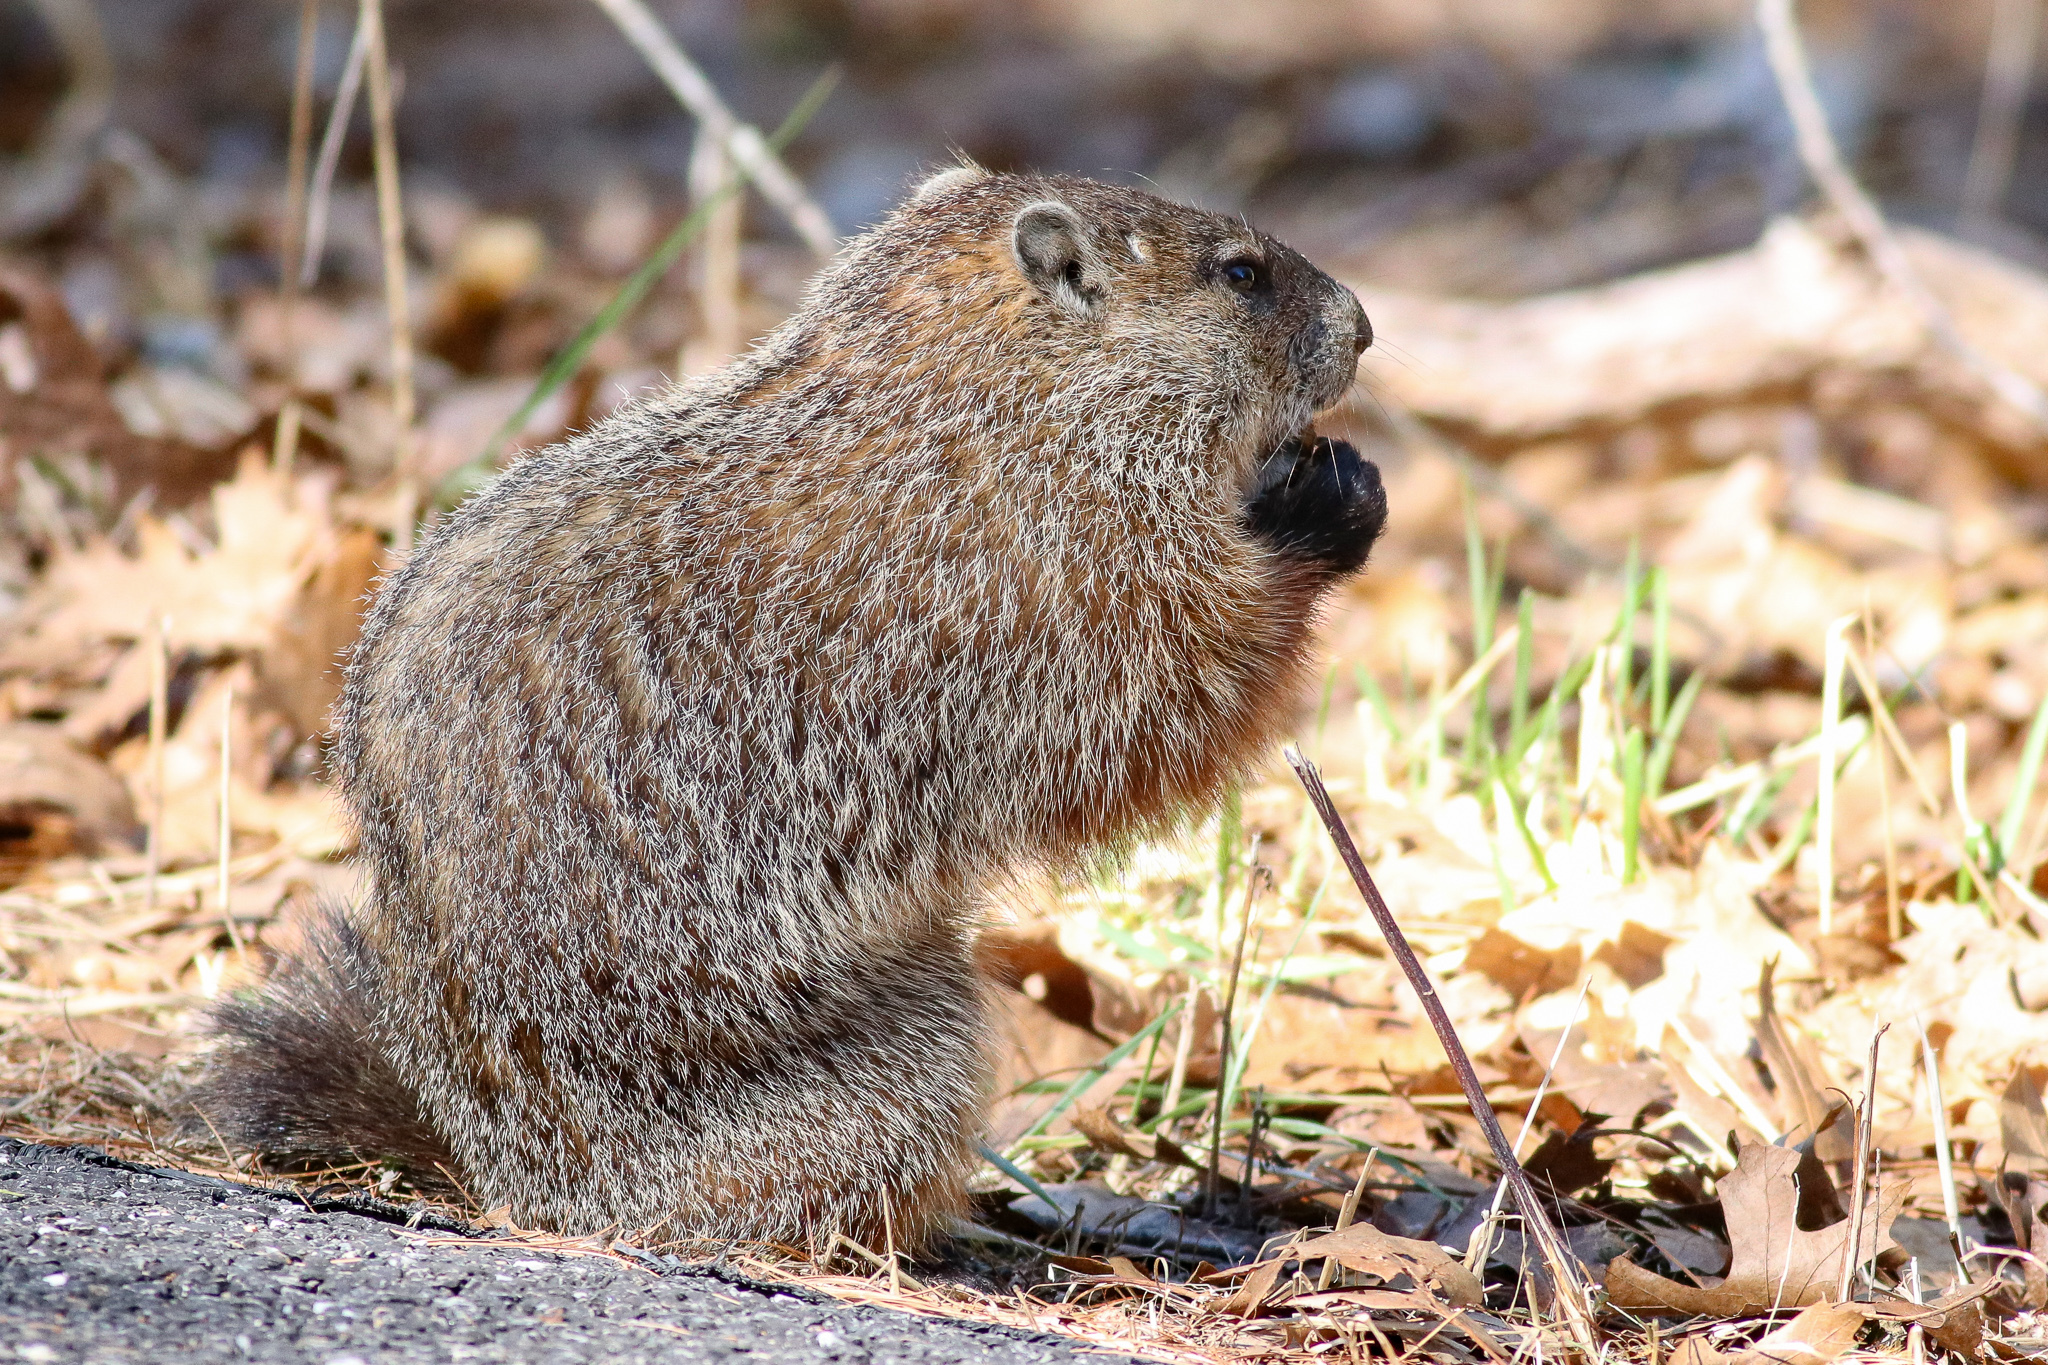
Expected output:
{"points": [[101, 1260]]}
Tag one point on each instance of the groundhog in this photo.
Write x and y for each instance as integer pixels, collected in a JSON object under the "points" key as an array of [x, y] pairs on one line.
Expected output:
{"points": [[688, 755]]}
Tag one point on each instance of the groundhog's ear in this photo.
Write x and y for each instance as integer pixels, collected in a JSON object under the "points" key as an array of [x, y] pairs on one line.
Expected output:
{"points": [[952, 177], [1052, 251]]}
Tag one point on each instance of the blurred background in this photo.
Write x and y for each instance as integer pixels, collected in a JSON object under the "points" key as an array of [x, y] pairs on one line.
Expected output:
{"points": [[1489, 147], [1709, 637]]}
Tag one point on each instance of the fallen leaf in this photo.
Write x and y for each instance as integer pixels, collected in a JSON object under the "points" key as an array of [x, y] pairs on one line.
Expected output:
{"points": [[1773, 1263], [1805, 1109], [1251, 1296], [1365, 1249], [1522, 969], [1567, 1164], [2022, 1123], [56, 799], [1818, 1335]]}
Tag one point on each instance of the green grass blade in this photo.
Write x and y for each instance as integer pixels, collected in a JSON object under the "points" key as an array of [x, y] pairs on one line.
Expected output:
{"points": [[1755, 803], [1660, 649], [2023, 785], [1667, 735], [1016, 1173], [1229, 833], [1631, 804], [1478, 575], [1376, 697], [1240, 1053], [1788, 847], [1525, 664], [1096, 1072], [1504, 798], [1323, 706], [1625, 624]]}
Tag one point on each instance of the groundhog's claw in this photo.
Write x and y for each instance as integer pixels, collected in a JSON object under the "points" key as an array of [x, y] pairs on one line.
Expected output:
{"points": [[1318, 500]]}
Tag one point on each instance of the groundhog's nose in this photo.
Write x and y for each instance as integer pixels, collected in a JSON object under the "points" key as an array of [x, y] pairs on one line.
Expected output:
{"points": [[1363, 328]]}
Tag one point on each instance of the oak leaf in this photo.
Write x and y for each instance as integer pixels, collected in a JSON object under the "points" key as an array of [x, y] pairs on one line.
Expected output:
{"points": [[1774, 1263]]}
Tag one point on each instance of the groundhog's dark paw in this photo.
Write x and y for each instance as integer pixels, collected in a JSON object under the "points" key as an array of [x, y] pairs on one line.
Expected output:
{"points": [[1320, 502]]}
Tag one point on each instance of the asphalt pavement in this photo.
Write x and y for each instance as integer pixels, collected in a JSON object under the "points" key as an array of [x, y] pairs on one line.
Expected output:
{"points": [[101, 1260]]}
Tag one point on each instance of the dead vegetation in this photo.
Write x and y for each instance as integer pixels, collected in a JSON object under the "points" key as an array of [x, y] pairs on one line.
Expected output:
{"points": [[1691, 719]]}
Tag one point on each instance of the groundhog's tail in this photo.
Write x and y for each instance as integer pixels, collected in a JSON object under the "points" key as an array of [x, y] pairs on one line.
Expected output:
{"points": [[300, 1074]]}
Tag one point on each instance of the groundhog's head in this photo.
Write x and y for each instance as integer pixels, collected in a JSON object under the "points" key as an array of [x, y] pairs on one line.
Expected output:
{"points": [[1142, 311]]}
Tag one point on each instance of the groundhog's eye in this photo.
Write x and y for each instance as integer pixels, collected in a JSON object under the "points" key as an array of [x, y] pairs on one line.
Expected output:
{"points": [[1242, 275]]}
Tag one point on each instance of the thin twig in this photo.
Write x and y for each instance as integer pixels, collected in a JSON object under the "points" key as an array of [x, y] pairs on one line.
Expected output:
{"points": [[1823, 158], [391, 234], [748, 149], [1177, 1078], [295, 167], [1862, 1183], [718, 260], [1481, 1245], [285, 443], [1944, 1158], [1570, 1290], [159, 705], [1894, 919], [1347, 1213], [226, 853], [1882, 713], [322, 189], [1214, 1176], [1837, 648], [2008, 71]]}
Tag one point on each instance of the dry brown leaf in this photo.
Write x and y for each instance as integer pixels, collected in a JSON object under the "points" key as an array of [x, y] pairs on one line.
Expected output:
{"points": [[55, 799], [1697, 1351], [1521, 968], [1104, 1134], [1820, 1333], [1774, 1263], [1805, 1110], [1365, 1249], [1368, 1251], [1251, 1296], [1405, 1301], [55, 404], [2022, 1122]]}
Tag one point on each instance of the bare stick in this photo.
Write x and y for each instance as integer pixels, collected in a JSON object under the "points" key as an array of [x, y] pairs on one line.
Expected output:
{"points": [[2008, 71], [1837, 649], [1214, 1177], [227, 754], [391, 231], [1944, 1157], [1824, 163], [889, 1245], [295, 170], [1178, 1077], [1571, 1292], [1346, 1214], [338, 116], [285, 444], [743, 142], [718, 260], [1890, 729], [159, 705], [1863, 1177], [1481, 1245], [1894, 920]]}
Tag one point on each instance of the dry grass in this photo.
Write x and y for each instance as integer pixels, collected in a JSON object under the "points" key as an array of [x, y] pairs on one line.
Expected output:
{"points": [[1692, 749]]}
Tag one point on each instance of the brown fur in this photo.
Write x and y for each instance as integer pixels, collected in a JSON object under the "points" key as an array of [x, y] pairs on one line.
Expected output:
{"points": [[686, 755]]}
